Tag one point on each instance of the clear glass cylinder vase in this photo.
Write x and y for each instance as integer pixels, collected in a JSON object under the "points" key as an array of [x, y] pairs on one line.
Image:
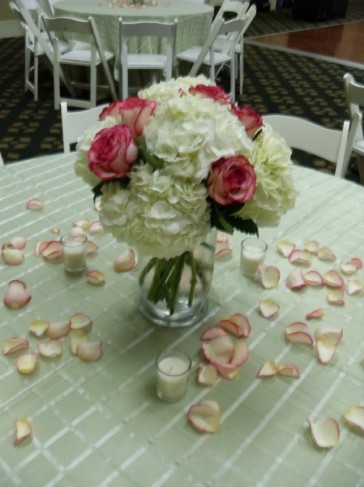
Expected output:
{"points": [[174, 292]]}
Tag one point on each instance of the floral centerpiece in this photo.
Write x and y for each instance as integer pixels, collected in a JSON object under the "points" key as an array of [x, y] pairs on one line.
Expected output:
{"points": [[173, 163]]}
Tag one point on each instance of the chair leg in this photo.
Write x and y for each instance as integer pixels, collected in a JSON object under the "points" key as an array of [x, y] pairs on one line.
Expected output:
{"points": [[56, 84], [125, 82], [93, 86], [35, 73], [360, 160]]}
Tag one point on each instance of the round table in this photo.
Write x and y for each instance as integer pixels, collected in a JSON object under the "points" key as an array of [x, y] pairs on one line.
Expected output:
{"points": [[194, 19]]}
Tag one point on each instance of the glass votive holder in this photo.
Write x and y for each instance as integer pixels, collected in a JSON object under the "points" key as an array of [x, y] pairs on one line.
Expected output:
{"points": [[252, 255], [173, 369], [74, 252]]}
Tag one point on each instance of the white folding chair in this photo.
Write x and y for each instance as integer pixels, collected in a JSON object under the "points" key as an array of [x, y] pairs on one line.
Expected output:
{"points": [[207, 55], [1, 160], [89, 55], [142, 33], [45, 7], [75, 122], [354, 94], [327, 143]]}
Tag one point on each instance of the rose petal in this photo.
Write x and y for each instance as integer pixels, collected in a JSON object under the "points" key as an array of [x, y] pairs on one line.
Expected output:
{"points": [[219, 349], [299, 257], [205, 416], [50, 348], [18, 243], [12, 256], [241, 354], [336, 296], [207, 375], [39, 247], [58, 329], [222, 249], [222, 237], [311, 246], [75, 230], [83, 223], [333, 279], [35, 204], [23, 429], [126, 262], [95, 277], [89, 351], [333, 335], [17, 295], [348, 268], [297, 326], [91, 248], [76, 337], [38, 327], [268, 308], [324, 253], [53, 250], [80, 321], [96, 228], [313, 278], [357, 262], [13, 344], [325, 433], [325, 350], [300, 337], [56, 230], [229, 371], [236, 324], [285, 248], [354, 415], [288, 370], [269, 276], [213, 332], [27, 363], [316, 314], [355, 286], [295, 280], [268, 369]]}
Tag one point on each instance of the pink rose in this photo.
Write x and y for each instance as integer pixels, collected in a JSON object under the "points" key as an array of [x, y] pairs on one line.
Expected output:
{"points": [[134, 112], [231, 181], [214, 92], [251, 119], [112, 152]]}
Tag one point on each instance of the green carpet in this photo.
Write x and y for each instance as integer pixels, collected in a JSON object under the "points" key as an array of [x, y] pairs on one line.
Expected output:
{"points": [[274, 81]]}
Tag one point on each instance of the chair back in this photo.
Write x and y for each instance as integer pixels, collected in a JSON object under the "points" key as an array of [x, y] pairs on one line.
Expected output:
{"points": [[354, 94], [75, 122], [46, 7], [327, 143]]}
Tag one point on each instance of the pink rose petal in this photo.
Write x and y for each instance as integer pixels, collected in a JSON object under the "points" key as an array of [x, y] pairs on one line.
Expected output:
{"points": [[268, 308], [354, 416], [39, 247], [18, 243], [285, 248], [300, 257], [76, 337], [17, 295], [38, 327], [95, 277], [27, 363], [348, 268], [222, 249], [56, 230], [89, 351], [313, 278], [296, 326], [23, 430], [204, 416], [325, 433], [13, 344], [96, 228], [269, 276], [311, 246], [35, 204], [333, 279], [58, 329], [333, 335], [91, 248], [50, 348], [324, 253], [302, 337], [219, 349], [229, 371], [295, 280], [83, 223], [12, 256], [268, 369], [53, 250], [357, 262], [336, 296], [207, 375], [213, 332], [126, 262], [316, 314], [355, 286], [236, 324], [80, 321], [241, 354], [222, 237], [325, 350], [288, 370]]}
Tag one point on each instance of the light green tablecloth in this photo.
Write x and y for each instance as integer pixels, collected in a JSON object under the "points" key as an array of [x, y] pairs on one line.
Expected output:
{"points": [[194, 20], [101, 424]]}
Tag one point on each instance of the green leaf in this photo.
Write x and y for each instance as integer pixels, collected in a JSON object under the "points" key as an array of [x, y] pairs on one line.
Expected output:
{"points": [[151, 159]]}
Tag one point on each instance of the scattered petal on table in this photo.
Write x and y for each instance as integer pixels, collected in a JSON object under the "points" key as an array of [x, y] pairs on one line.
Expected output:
{"points": [[213, 332], [35, 204], [58, 329], [76, 337], [27, 363], [325, 350], [207, 375], [83, 223], [126, 262], [357, 262], [205, 416], [80, 321], [316, 314], [268, 369], [219, 349], [296, 333], [95, 277], [295, 280], [297, 326], [39, 247], [53, 250], [13, 344], [12, 256], [23, 429], [336, 296], [38, 327], [76, 230], [300, 257], [89, 351], [229, 371], [348, 268], [96, 228], [222, 249], [222, 237], [311, 246], [240, 354], [50, 348], [325, 433], [18, 243], [333, 279], [325, 253], [268, 308], [288, 370], [285, 248], [334, 335], [354, 415], [355, 286], [17, 295], [236, 324], [91, 248], [269, 276], [313, 278], [56, 230]]}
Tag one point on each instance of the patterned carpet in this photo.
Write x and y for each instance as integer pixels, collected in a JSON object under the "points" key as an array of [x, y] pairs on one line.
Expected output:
{"points": [[274, 82]]}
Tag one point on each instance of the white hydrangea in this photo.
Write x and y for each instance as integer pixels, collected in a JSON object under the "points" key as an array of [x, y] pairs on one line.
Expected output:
{"points": [[164, 91], [275, 193]]}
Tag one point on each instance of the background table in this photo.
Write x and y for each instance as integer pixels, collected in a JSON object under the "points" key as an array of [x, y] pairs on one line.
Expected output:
{"points": [[101, 424], [194, 20]]}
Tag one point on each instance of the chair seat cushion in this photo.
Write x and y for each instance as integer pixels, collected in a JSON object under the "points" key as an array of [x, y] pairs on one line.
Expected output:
{"points": [[82, 56], [192, 53], [147, 61]]}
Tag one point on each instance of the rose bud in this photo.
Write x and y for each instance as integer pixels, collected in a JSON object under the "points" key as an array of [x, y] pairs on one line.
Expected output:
{"points": [[251, 119]]}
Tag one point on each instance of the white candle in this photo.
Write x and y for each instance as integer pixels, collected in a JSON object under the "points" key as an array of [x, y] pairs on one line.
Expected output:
{"points": [[252, 255], [74, 252], [173, 370]]}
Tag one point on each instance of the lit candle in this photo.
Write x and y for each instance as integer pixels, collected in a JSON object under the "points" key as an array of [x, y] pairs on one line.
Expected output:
{"points": [[74, 252], [252, 255], [173, 370]]}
